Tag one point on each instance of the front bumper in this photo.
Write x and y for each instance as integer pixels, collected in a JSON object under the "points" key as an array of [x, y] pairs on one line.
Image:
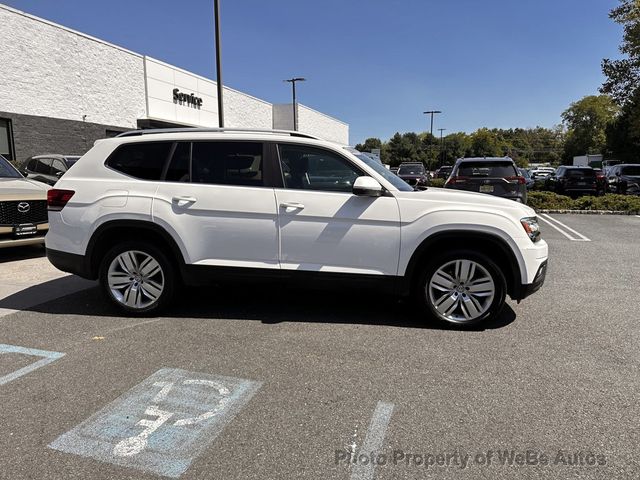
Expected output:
{"points": [[527, 289]]}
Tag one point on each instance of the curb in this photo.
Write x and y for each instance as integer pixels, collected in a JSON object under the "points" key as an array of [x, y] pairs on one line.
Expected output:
{"points": [[588, 212]]}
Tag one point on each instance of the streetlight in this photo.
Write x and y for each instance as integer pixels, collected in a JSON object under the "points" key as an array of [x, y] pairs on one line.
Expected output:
{"points": [[293, 81], [432, 113], [441, 149], [216, 15]]}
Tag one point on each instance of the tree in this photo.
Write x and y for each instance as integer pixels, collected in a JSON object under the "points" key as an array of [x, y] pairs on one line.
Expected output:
{"points": [[586, 121], [623, 75], [623, 134], [623, 83], [369, 144], [485, 143]]}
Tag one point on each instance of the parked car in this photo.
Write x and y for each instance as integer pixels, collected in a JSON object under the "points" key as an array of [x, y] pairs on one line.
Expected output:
{"points": [[414, 174], [529, 182], [493, 175], [607, 164], [624, 178], [444, 172], [394, 170], [540, 174], [47, 168], [150, 210], [573, 181], [23, 208]]}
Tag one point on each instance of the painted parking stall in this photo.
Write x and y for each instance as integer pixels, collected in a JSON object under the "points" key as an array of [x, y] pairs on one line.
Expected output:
{"points": [[565, 230], [162, 424], [45, 358]]}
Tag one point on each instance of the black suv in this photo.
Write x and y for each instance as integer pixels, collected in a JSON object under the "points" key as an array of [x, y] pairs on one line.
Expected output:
{"points": [[624, 178], [414, 174], [493, 175], [573, 181], [47, 168]]}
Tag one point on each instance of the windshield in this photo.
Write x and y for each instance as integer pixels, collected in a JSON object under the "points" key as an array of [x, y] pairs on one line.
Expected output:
{"points": [[632, 171], [411, 170], [7, 170], [382, 170], [524, 173]]}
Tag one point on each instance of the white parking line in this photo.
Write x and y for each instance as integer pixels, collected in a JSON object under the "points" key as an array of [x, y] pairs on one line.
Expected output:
{"points": [[373, 441], [581, 237]]}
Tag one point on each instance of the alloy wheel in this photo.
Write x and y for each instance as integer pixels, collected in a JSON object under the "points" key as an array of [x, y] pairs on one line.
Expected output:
{"points": [[461, 291], [135, 279]]}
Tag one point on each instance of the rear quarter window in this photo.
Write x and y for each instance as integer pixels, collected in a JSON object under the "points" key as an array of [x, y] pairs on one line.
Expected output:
{"points": [[140, 160]]}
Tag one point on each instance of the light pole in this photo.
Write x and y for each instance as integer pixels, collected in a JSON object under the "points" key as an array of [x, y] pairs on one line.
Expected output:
{"points": [[432, 113], [441, 149], [216, 15], [293, 81]]}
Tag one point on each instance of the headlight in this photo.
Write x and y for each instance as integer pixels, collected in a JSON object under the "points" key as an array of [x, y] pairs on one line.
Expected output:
{"points": [[532, 228]]}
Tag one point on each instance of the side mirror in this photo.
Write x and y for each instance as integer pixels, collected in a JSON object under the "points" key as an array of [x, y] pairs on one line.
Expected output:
{"points": [[367, 187]]}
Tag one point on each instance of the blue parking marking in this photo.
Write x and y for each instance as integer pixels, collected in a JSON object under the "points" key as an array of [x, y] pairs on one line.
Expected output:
{"points": [[162, 424], [47, 358]]}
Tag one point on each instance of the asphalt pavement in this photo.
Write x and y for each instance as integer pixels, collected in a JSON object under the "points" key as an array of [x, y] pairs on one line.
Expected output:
{"points": [[239, 382]]}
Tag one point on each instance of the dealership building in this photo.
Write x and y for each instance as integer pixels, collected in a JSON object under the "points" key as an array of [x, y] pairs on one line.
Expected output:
{"points": [[60, 90]]}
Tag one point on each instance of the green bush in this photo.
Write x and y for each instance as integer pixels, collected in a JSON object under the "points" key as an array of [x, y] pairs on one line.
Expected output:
{"points": [[553, 201], [549, 201], [437, 182]]}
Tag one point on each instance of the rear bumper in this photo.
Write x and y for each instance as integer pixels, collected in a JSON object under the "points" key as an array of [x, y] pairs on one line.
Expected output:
{"points": [[71, 263], [527, 289]]}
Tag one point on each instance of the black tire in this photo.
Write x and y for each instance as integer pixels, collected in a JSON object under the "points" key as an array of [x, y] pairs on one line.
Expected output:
{"points": [[167, 272], [495, 305]]}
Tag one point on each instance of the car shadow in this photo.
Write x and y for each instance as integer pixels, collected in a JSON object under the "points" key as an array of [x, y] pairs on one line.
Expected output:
{"points": [[269, 304], [13, 254]]}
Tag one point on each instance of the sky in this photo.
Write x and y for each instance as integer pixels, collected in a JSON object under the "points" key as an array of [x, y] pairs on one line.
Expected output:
{"points": [[375, 64]]}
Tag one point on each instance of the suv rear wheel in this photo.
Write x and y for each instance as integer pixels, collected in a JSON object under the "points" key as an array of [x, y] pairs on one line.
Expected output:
{"points": [[137, 277], [462, 288]]}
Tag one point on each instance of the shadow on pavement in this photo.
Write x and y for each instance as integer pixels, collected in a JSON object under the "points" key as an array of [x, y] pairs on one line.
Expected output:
{"points": [[268, 304], [13, 254]]}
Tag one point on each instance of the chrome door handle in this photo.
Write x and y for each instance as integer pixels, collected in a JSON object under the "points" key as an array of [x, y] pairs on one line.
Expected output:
{"points": [[297, 206], [183, 200]]}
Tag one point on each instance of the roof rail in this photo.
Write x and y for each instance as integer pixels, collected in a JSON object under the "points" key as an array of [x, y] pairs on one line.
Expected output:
{"points": [[150, 131]]}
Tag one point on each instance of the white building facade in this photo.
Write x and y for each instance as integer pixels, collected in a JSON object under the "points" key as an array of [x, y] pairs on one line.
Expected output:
{"points": [[61, 90]]}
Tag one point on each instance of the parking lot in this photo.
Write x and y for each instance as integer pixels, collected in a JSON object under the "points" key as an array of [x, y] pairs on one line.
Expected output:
{"points": [[327, 385]]}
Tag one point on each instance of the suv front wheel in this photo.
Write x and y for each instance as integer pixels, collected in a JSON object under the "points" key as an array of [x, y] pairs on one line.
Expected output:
{"points": [[137, 277], [462, 288]]}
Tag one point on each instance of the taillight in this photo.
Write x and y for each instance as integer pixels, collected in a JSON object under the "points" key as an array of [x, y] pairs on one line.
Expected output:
{"points": [[57, 199], [520, 180], [457, 180]]}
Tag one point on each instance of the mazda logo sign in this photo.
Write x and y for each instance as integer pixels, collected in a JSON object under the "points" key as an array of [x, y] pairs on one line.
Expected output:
{"points": [[24, 207]]}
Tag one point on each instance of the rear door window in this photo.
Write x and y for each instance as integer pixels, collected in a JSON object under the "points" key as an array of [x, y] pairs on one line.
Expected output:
{"points": [[227, 163], [632, 171], [487, 169], [143, 160], [179, 169], [57, 167]]}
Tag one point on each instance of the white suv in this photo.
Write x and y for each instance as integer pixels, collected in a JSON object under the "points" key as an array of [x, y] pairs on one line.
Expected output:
{"points": [[151, 210]]}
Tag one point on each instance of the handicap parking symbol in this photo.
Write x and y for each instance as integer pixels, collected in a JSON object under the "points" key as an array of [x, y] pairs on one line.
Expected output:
{"points": [[162, 424]]}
